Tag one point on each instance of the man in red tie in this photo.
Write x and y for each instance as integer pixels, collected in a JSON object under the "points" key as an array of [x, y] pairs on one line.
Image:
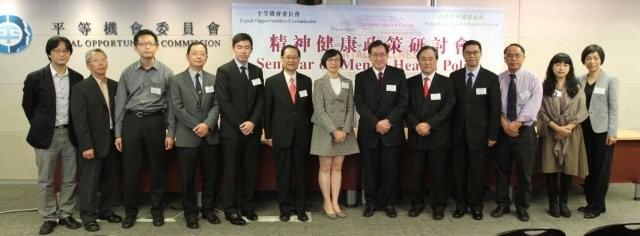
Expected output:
{"points": [[287, 123], [431, 102]]}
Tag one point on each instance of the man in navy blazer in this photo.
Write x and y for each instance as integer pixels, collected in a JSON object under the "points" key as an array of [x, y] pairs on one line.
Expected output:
{"points": [[380, 97]]}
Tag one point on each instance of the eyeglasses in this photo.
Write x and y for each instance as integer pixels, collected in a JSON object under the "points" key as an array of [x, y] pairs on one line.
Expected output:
{"points": [[378, 55], [61, 51], [514, 56], [291, 58], [147, 44], [99, 60], [472, 53], [334, 60]]}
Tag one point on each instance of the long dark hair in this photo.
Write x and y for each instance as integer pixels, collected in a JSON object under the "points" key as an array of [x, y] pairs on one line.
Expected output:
{"points": [[570, 83]]}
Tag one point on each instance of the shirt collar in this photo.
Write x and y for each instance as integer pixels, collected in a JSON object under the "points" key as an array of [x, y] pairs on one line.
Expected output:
{"points": [[475, 71], [54, 72], [154, 65], [238, 64], [193, 73], [287, 75], [430, 76], [377, 72]]}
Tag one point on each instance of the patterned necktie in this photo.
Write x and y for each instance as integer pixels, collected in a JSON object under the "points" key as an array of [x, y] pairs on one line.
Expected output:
{"points": [[470, 83], [380, 78], [425, 87], [198, 85], [512, 99], [292, 89]]}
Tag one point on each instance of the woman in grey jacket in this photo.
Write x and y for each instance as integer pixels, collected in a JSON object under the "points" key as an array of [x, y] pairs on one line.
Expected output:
{"points": [[333, 136], [600, 129]]}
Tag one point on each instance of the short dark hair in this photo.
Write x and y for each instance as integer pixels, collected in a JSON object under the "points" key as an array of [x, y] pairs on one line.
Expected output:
{"points": [[329, 54], [144, 32], [549, 83], [194, 43], [471, 42], [427, 48], [513, 45], [376, 44], [53, 43], [241, 37], [289, 46], [591, 49]]}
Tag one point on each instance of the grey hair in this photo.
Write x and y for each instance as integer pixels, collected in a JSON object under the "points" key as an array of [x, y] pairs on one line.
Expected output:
{"points": [[87, 56]]}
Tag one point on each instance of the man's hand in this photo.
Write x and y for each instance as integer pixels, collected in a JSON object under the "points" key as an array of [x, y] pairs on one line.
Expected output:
{"points": [[383, 126], [201, 130], [423, 129], [118, 144], [269, 142], [247, 127], [611, 140], [88, 154], [168, 143], [490, 142]]}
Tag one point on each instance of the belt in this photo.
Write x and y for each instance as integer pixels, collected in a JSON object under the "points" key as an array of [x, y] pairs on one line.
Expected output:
{"points": [[61, 126], [141, 114]]}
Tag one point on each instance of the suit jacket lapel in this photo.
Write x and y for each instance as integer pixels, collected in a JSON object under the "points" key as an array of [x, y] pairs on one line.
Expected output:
{"points": [[282, 89], [96, 90], [186, 77]]}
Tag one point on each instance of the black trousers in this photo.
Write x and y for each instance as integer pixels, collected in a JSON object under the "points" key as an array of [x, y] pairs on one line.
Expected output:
{"points": [[240, 156], [98, 175], [520, 150], [204, 156], [380, 172], [143, 138], [469, 173], [437, 166], [291, 176], [600, 156]]}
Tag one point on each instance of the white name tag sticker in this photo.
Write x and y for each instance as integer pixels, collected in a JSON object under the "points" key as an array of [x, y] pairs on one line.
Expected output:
{"points": [[208, 89], [391, 87], [481, 91], [303, 93], [345, 85], [435, 96], [557, 93], [598, 90], [157, 91], [256, 82], [525, 94]]}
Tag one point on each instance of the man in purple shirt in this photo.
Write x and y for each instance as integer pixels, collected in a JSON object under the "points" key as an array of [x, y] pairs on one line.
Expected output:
{"points": [[521, 96]]}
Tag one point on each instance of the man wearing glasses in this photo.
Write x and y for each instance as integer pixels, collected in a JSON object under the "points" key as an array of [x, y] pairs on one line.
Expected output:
{"points": [[46, 104], [144, 125]]}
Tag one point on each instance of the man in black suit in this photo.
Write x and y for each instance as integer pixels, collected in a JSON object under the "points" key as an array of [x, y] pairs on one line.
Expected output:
{"points": [[197, 135], [476, 120], [92, 104], [46, 104], [239, 91], [431, 102], [381, 97], [287, 126]]}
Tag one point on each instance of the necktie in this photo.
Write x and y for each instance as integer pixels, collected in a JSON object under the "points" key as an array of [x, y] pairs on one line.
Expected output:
{"points": [[243, 71], [425, 87], [470, 83], [380, 78], [292, 89], [198, 85], [512, 98]]}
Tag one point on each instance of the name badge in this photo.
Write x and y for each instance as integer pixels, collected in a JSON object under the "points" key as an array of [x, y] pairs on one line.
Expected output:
{"points": [[435, 96], [557, 93], [481, 91], [598, 90], [208, 89], [391, 87], [157, 91], [345, 85], [256, 82], [303, 93], [525, 94]]}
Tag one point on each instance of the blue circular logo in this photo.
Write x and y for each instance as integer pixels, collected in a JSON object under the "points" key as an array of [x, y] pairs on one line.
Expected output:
{"points": [[15, 34]]}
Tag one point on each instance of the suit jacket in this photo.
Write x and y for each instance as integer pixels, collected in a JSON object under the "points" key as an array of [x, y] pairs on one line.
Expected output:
{"points": [[435, 109], [239, 99], [91, 116], [282, 118], [190, 109], [39, 105], [336, 110], [476, 114], [375, 102], [603, 109]]}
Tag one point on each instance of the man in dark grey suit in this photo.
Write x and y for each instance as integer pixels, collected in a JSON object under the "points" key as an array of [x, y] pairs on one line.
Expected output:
{"points": [[197, 135], [92, 110]]}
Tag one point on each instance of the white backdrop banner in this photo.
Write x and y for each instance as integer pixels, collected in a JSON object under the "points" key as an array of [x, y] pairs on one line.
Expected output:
{"points": [[350, 29]]}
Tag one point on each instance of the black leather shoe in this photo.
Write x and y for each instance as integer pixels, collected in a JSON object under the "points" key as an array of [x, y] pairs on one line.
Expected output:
{"points": [[391, 211], [91, 226], [591, 213], [113, 218], [368, 212], [415, 211], [564, 210], [500, 211], [582, 209], [235, 219], [285, 216], [69, 222], [477, 214], [459, 213], [438, 214], [211, 217], [128, 222], [554, 210], [192, 222], [47, 227], [302, 216], [158, 220], [252, 216], [522, 216]]}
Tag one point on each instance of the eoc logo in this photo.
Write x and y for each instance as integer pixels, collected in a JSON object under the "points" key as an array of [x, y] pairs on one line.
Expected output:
{"points": [[15, 34]]}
